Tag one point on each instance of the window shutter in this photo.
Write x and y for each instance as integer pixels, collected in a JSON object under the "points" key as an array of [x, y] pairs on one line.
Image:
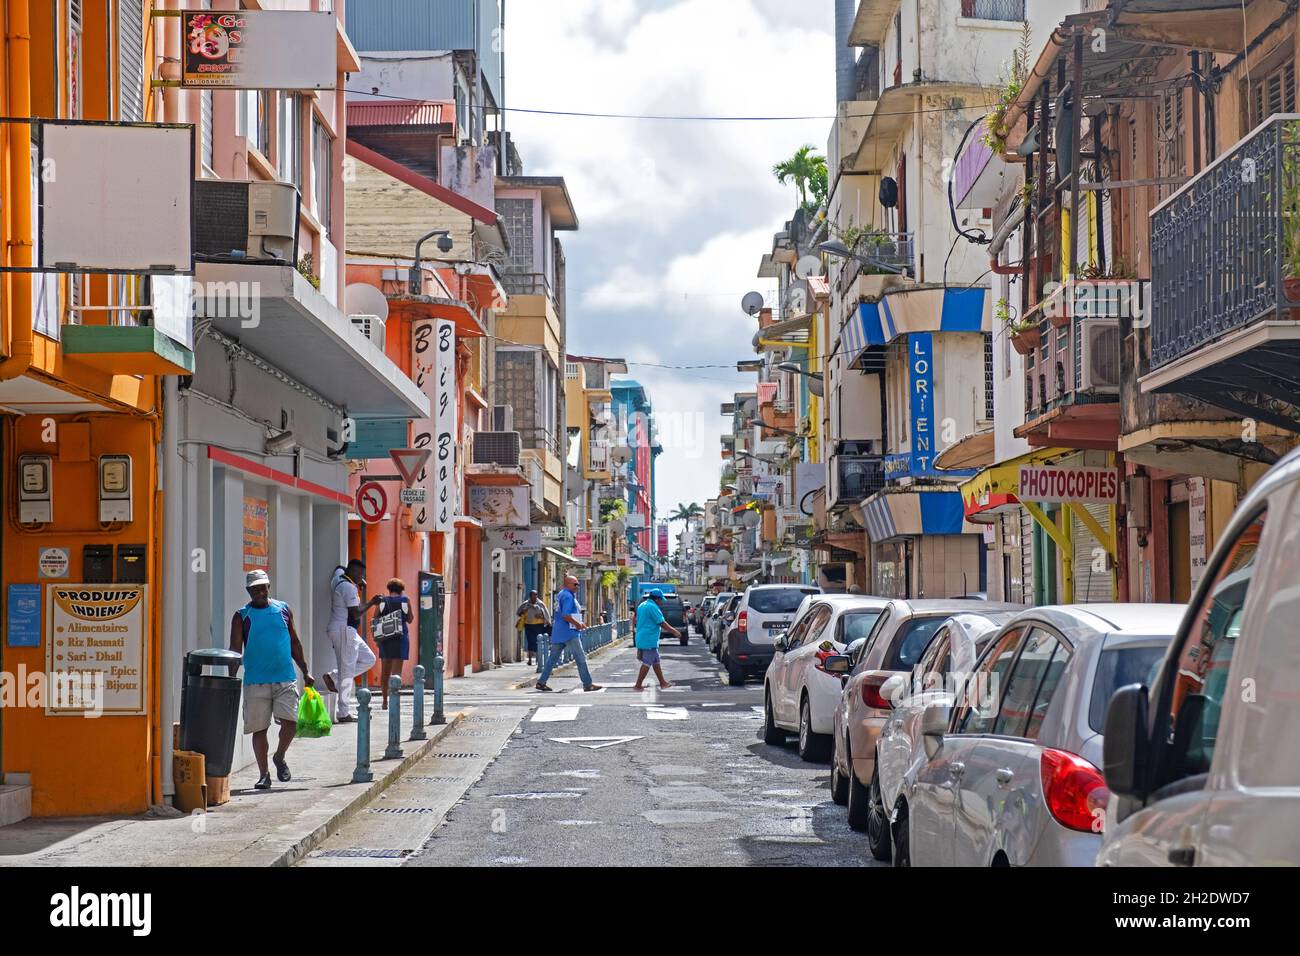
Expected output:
{"points": [[130, 61]]}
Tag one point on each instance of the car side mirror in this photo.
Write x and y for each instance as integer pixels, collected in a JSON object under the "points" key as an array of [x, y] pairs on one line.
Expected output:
{"points": [[779, 643], [934, 724], [1124, 747], [836, 664]]}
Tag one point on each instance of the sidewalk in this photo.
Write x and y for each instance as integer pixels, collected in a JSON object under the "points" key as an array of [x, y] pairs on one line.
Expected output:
{"points": [[275, 827]]}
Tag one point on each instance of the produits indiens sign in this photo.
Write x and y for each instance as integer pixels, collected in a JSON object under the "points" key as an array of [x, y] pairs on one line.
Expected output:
{"points": [[1050, 483], [95, 648]]}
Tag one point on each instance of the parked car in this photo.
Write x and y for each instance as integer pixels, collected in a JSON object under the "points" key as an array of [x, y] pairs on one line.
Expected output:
{"points": [[1204, 767], [1007, 774], [896, 642], [675, 614], [799, 694], [762, 612], [951, 655], [700, 613], [718, 618]]}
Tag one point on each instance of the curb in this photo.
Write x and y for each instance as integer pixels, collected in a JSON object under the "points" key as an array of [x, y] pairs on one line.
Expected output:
{"points": [[323, 831], [530, 681]]}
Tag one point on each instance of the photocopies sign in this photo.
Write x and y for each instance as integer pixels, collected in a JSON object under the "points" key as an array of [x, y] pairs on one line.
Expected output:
{"points": [[1056, 484]]}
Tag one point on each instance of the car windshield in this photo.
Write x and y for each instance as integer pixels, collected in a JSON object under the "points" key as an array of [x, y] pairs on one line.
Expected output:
{"points": [[1118, 667], [777, 600], [910, 643], [857, 624]]}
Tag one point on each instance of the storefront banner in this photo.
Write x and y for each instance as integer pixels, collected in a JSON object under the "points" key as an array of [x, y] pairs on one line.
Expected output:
{"points": [[246, 49], [95, 649], [582, 544], [1055, 484], [433, 369], [920, 369], [257, 537], [515, 540], [500, 505]]}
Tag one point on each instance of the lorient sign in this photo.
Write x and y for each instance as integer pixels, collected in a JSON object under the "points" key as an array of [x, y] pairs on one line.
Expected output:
{"points": [[920, 363], [1098, 486]]}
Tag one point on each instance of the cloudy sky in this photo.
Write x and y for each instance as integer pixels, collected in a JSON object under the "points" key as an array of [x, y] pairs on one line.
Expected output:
{"points": [[674, 216]]}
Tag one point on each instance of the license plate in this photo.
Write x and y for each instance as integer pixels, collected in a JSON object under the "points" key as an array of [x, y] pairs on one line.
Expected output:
{"points": [[779, 626]]}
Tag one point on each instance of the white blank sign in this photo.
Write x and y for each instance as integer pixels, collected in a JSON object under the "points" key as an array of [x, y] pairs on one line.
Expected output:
{"points": [[116, 198]]}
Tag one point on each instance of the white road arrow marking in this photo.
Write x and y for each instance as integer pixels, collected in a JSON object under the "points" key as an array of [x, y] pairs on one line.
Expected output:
{"points": [[667, 713], [594, 743]]}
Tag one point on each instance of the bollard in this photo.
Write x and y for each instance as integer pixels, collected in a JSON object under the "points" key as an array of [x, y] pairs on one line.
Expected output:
{"points": [[438, 718], [417, 706], [362, 774], [394, 718]]}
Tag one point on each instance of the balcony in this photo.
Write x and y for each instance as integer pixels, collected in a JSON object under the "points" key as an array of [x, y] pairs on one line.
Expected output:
{"points": [[598, 459], [1225, 280], [853, 478]]}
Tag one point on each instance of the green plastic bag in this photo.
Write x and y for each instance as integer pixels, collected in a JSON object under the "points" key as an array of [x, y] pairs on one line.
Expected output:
{"points": [[313, 718]]}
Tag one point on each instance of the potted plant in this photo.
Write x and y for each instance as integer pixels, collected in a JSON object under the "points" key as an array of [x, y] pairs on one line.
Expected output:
{"points": [[1025, 334]]}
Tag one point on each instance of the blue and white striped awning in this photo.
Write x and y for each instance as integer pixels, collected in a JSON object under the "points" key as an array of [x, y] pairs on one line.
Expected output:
{"points": [[919, 309], [892, 514]]}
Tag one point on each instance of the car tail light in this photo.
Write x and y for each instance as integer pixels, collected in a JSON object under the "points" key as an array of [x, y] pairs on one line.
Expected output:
{"points": [[1074, 790], [871, 692], [742, 620]]}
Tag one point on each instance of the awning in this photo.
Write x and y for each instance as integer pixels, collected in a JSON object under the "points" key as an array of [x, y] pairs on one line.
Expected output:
{"points": [[994, 489], [928, 308], [435, 307], [973, 451], [914, 511], [565, 556], [274, 313]]}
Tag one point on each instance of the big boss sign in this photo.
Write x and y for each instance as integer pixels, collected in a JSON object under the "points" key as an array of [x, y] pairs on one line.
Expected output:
{"points": [[434, 365]]}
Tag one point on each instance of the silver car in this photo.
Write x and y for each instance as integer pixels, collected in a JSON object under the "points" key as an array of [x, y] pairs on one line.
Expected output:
{"points": [[1008, 774], [714, 623]]}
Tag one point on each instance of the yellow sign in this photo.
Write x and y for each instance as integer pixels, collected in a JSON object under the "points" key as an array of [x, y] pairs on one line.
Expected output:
{"points": [[95, 649]]}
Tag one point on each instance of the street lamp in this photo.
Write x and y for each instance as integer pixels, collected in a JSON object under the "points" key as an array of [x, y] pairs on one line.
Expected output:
{"points": [[816, 384], [840, 251], [414, 279]]}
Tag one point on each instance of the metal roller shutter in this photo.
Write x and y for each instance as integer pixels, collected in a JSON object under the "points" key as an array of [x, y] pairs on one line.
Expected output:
{"points": [[1090, 586], [130, 64], [1026, 556]]}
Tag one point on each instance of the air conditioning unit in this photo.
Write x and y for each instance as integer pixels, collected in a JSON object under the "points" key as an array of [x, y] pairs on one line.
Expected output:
{"points": [[1098, 349], [245, 221], [503, 418], [497, 448], [372, 327]]}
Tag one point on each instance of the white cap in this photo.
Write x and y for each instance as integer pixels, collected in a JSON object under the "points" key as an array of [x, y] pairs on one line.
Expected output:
{"points": [[255, 577]]}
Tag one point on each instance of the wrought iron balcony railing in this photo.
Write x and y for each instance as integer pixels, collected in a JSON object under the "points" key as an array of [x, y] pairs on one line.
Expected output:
{"points": [[1012, 10], [1226, 246]]}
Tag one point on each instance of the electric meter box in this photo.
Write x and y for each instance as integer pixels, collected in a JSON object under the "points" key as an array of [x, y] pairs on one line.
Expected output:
{"points": [[35, 489]]}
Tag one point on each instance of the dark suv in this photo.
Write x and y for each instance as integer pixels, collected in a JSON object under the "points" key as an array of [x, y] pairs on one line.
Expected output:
{"points": [[675, 614]]}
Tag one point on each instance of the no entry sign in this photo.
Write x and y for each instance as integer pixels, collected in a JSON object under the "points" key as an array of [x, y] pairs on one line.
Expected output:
{"points": [[372, 502]]}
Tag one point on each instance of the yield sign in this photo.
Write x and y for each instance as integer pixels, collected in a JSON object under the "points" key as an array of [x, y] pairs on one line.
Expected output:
{"points": [[372, 502], [409, 461], [594, 743]]}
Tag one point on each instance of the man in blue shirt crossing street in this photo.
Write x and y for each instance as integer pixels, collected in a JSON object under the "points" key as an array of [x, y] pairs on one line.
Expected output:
{"points": [[566, 628], [650, 623]]}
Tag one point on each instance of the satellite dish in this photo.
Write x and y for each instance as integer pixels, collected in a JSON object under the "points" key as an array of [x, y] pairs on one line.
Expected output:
{"points": [[361, 298], [752, 303], [751, 519], [620, 453], [807, 266]]}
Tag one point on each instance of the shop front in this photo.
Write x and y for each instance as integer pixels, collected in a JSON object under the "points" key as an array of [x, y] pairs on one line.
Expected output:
{"points": [[921, 545]]}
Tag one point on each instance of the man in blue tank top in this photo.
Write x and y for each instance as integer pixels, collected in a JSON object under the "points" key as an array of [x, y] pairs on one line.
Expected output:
{"points": [[262, 630]]}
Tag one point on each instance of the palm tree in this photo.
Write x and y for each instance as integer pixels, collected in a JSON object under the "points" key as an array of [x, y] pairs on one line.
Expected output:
{"points": [[687, 513], [805, 168]]}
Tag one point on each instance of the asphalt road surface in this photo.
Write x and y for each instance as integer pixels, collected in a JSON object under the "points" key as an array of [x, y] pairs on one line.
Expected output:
{"points": [[620, 778]]}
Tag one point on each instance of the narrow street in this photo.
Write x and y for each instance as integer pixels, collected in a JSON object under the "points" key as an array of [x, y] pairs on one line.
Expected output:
{"points": [[611, 778]]}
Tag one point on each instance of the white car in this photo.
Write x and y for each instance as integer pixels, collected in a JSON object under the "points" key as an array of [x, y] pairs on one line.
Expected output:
{"points": [[799, 694], [952, 653], [1204, 768]]}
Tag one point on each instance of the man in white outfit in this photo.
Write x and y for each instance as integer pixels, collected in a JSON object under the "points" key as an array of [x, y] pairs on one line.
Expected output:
{"points": [[351, 652]]}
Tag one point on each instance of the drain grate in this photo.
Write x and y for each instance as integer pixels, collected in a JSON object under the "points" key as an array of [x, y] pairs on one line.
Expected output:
{"points": [[355, 851], [478, 733], [438, 779], [456, 756], [400, 810]]}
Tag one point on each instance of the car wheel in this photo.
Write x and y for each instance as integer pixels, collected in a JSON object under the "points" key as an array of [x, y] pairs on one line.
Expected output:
{"points": [[813, 747], [878, 836], [902, 836], [839, 782], [735, 673], [859, 802], [772, 734]]}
